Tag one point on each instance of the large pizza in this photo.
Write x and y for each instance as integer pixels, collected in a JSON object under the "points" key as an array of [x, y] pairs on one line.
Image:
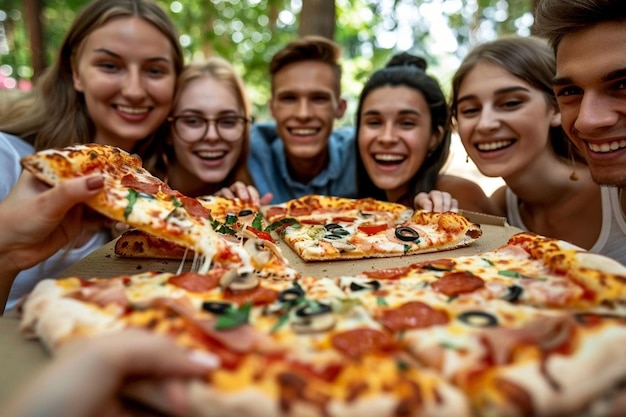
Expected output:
{"points": [[535, 327]]}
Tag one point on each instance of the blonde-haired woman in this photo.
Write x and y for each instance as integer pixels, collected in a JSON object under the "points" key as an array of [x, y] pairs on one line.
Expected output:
{"points": [[210, 124], [112, 83]]}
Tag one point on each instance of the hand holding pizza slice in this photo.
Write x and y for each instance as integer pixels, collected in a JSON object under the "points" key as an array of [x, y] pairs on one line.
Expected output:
{"points": [[134, 196]]}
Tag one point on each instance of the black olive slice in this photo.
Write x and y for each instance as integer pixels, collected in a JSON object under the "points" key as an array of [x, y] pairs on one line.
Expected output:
{"points": [[478, 319], [369, 285], [332, 226], [340, 231], [333, 236], [245, 212], [406, 234], [316, 309], [290, 295], [514, 292], [216, 307]]}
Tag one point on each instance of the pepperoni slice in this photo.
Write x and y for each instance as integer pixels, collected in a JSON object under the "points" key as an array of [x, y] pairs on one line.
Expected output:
{"points": [[455, 283], [326, 372], [412, 315], [258, 295], [194, 282], [275, 212], [131, 181], [444, 264], [300, 211], [194, 207], [389, 273], [358, 342]]}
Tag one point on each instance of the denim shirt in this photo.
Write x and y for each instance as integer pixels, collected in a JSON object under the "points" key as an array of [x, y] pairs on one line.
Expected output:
{"points": [[267, 164]]}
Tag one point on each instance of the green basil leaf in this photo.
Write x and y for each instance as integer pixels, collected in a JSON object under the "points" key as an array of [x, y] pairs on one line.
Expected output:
{"points": [[257, 223], [280, 323], [226, 230], [234, 317], [381, 301], [230, 219], [132, 199], [176, 202], [510, 274], [287, 221]]}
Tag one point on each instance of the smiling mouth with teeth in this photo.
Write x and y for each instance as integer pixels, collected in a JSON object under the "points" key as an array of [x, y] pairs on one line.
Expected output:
{"points": [[388, 158], [133, 110], [211, 155], [607, 146], [494, 146], [303, 132]]}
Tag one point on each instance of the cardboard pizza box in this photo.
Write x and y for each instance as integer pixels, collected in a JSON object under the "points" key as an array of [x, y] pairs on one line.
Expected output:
{"points": [[104, 263]]}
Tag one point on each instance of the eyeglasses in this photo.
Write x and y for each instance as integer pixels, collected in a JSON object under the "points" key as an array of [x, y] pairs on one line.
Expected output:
{"points": [[191, 128]]}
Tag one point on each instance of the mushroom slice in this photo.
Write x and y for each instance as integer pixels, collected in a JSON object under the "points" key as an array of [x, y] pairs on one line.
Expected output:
{"points": [[270, 245], [313, 317], [236, 280], [259, 254]]}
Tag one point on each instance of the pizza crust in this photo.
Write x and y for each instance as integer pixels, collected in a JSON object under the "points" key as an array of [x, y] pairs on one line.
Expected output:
{"points": [[53, 318], [597, 366], [601, 263], [135, 243]]}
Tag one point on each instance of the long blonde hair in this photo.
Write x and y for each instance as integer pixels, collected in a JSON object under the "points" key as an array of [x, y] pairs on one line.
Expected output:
{"points": [[54, 114]]}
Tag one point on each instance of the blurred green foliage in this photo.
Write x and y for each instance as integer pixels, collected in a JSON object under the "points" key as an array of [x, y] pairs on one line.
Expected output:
{"points": [[248, 32]]}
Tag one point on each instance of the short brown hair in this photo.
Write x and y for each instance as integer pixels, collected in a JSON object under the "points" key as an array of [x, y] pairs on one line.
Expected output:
{"points": [[555, 19], [308, 48]]}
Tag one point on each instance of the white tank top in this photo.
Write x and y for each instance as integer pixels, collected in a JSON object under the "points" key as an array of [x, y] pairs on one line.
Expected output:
{"points": [[612, 239]]}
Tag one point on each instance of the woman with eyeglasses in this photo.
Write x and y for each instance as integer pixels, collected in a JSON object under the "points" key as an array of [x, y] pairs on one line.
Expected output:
{"points": [[208, 145]]}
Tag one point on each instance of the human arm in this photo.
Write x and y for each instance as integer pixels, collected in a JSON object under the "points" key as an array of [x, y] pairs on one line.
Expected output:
{"points": [[246, 193], [498, 198], [38, 220], [469, 194], [438, 201], [86, 377]]}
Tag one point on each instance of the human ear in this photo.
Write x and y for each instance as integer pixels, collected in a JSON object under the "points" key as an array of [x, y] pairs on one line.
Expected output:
{"points": [[78, 85], [435, 139], [555, 120], [341, 108]]}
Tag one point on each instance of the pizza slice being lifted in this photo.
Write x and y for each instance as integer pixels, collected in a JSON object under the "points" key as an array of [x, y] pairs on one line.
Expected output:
{"points": [[134, 196], [320, 228]]}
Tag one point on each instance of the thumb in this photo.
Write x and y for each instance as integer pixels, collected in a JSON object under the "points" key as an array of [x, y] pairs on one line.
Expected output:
{"points": [[63, 196]]}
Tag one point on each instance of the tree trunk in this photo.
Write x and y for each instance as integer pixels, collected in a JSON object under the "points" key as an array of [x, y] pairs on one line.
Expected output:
{"points": [[317, 18], [32, 17]]}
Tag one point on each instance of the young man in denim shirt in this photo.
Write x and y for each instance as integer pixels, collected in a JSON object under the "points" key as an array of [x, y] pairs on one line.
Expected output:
{"points": [[299, 153]]}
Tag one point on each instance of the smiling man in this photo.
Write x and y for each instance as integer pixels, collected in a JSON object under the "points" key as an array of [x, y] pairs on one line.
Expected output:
{"points": [[300, 153], [589, 40]]}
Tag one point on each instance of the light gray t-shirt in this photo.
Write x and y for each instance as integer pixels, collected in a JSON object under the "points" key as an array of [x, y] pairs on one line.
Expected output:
{"points": [[12, 149]]}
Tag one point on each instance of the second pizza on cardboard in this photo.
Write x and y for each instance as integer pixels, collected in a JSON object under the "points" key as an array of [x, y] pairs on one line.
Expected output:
{"points": [[325, 228]]}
